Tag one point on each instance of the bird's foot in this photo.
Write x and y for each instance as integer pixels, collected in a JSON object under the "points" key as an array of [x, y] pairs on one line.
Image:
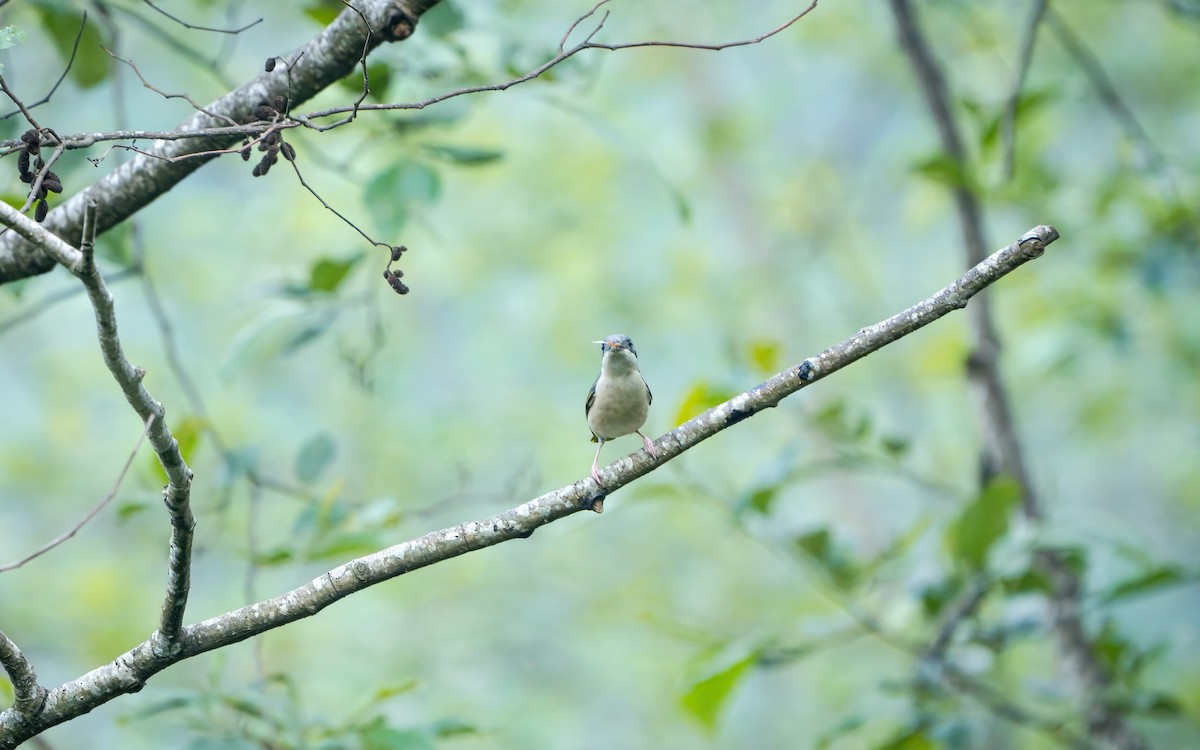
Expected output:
{"points": [[649, 446]]}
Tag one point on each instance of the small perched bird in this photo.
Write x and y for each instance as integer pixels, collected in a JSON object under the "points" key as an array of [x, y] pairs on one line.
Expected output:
{"points": [[619, 399]]}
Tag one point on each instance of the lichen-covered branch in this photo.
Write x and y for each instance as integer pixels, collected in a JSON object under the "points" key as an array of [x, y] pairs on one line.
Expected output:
{"points": [[29, 696], [129, 672], [328, 57]]}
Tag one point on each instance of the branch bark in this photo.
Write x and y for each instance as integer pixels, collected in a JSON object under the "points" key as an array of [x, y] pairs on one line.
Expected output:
{"points": [[177, 494], [129, 672], [328, 57]]}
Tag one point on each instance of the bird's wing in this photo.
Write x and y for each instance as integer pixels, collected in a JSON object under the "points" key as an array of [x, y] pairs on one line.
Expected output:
{"points": [[649, 395], [587, 408]]}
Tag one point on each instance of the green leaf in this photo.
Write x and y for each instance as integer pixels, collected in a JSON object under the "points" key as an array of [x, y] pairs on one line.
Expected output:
{"points": [[452, 727], [10, 36], [699, 398], [467, 156], [350, 544], [705, 697], [1151, 580], [758, 500], [315, 456], [326, 274], [982, 523], [379, 79], [764, 355], [938, 594], [939, 168], [161, 706], [323, 11], [62, 25], [846, 726], [129, 508], [898, 547], [377, 735], [275, 556], [909, 739], [391, 192], [276, 331], [819, 546], [835, 422]]}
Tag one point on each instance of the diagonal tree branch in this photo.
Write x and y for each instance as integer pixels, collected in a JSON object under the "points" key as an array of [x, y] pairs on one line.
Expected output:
{"points": [[130, 671], [331, 55], [29, 695]]}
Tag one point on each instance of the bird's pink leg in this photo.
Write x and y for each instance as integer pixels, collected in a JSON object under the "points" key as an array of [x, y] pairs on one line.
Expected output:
{"points": [[649, 445], [595, 472]]}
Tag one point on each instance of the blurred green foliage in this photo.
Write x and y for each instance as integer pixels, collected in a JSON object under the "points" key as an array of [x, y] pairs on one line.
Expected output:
{"points": [[778, 586]]}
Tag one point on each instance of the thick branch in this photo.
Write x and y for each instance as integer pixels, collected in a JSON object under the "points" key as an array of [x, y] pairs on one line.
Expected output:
{"points": [[330, 56], [129, 672]]}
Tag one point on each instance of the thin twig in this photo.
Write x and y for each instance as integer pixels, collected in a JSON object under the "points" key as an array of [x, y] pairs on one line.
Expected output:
{"points": [[187, 25], [69, 533], [174, 45], [20, 105], [336, 213], [186, 97], [62, 77], [14, 261], [1014, 97], [547, 65]]}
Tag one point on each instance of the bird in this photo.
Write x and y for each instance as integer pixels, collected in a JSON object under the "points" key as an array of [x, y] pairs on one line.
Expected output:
{"points": [[619, 400]]}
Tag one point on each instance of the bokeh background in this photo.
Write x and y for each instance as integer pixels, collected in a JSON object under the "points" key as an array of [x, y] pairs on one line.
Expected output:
{"points": [[733, 212]]}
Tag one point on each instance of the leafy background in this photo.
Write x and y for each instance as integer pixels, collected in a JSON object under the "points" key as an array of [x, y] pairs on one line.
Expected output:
{"points": [[733, 212]]}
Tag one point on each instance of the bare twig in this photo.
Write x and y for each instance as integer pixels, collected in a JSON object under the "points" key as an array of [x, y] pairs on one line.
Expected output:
{"points": [[20, 105], [561, 56], [209, 65], [1014, 97], [61, 77], [336, 213], [964, 607], [130, 671], [1151, 155], [325, 60], [165, 95], [90, 514], [187, 25]]}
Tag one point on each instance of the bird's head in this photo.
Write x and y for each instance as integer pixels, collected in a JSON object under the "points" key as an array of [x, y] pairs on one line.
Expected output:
{"points": [[616, 343]]}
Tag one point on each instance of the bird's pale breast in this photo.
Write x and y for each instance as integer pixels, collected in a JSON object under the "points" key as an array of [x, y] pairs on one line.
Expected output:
{"points": [[620, 407]]}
